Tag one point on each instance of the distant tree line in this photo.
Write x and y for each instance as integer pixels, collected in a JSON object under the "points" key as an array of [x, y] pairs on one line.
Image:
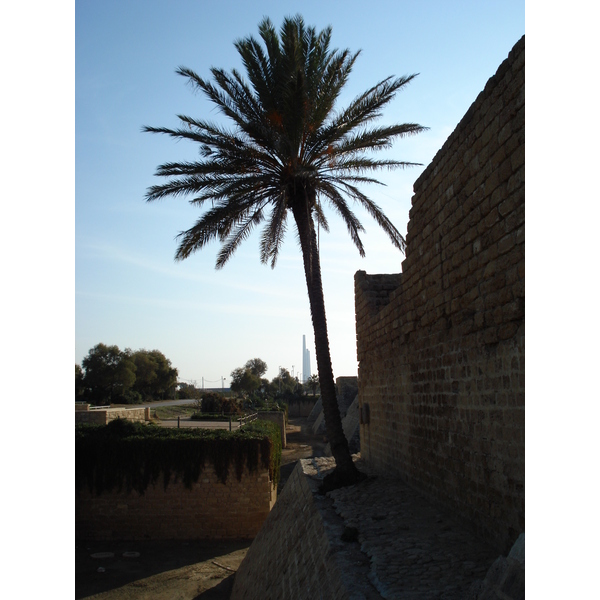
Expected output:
{"points": [[258, 392], [108, 375], [251, 390]]}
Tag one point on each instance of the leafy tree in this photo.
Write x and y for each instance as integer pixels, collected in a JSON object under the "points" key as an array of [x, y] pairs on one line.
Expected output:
{"points": [[312, 384], [256, 366], [247, 379], [282, 383], [244, 380], [155, 377], [187, 390], [145, 374], [109, 374], [288, 153], [79, 385], [166, 375]]}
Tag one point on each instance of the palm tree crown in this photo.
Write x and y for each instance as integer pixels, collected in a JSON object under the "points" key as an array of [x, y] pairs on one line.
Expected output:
{"points": [[287, 139], [289, 151]]}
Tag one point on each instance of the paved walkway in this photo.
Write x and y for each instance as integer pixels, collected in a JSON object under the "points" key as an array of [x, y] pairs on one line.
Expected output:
{"points": [[416, 551]]}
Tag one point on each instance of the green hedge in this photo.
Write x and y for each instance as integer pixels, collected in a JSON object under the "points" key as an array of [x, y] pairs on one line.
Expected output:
{"points": [[134, 455]]}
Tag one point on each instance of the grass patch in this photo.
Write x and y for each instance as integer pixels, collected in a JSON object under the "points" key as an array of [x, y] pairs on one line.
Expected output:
{"points": [[172, 412]]}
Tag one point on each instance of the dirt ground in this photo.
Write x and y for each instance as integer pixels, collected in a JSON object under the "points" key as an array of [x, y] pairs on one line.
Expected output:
{"points": [[176, 570]]}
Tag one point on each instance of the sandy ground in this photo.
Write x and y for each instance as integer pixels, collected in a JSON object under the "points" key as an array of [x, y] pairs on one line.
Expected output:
{"points": [[176, 570]]}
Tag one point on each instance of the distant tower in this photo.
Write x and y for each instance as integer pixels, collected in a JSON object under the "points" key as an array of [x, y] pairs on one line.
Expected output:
{"points": [[305, 361]]}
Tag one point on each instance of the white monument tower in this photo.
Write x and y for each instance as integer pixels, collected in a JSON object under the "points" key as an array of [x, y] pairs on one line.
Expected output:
{"points": [[305, 361]]}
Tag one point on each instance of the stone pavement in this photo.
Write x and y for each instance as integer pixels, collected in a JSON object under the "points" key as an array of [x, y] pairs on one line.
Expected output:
{"points": [[416, 551]]}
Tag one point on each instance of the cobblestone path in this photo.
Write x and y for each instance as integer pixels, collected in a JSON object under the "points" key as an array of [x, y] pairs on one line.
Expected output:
{"points": [[416, 551]]}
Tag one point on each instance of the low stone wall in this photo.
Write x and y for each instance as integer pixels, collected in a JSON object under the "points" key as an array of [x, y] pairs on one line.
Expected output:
{"points": [[298, 553], [209, 510], [105, 415]]}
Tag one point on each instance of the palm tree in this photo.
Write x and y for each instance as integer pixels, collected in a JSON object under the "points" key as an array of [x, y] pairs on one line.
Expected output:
{"points": [[312, 383], [287, 153]]}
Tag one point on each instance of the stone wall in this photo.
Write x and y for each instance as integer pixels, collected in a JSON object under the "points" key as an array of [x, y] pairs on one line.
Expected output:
{"points": [[209, 510], [301, 408], [441, 345], [351, 427], [317, 409], [346, 389], [103, 416]]}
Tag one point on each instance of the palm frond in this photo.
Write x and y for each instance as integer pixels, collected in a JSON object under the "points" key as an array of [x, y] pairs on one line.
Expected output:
{"points": [[319, 216], [273, 234], [242, 231], [377, 214], [353, 225], [215, 224], [376, 138], [286, 144]]}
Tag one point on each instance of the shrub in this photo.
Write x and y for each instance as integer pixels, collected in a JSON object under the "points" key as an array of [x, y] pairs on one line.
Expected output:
{"points": [[213, 402]]}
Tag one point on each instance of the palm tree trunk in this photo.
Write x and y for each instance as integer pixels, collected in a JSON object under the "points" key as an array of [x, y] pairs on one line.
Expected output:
{"points": [[345, 472]]}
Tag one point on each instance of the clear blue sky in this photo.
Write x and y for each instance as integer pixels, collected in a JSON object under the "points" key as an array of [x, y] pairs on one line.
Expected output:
{"points": [[129, 290]]}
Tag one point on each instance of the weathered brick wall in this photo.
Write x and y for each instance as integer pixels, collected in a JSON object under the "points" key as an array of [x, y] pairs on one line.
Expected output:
{"points": [[210, 510], [441, 346]]}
